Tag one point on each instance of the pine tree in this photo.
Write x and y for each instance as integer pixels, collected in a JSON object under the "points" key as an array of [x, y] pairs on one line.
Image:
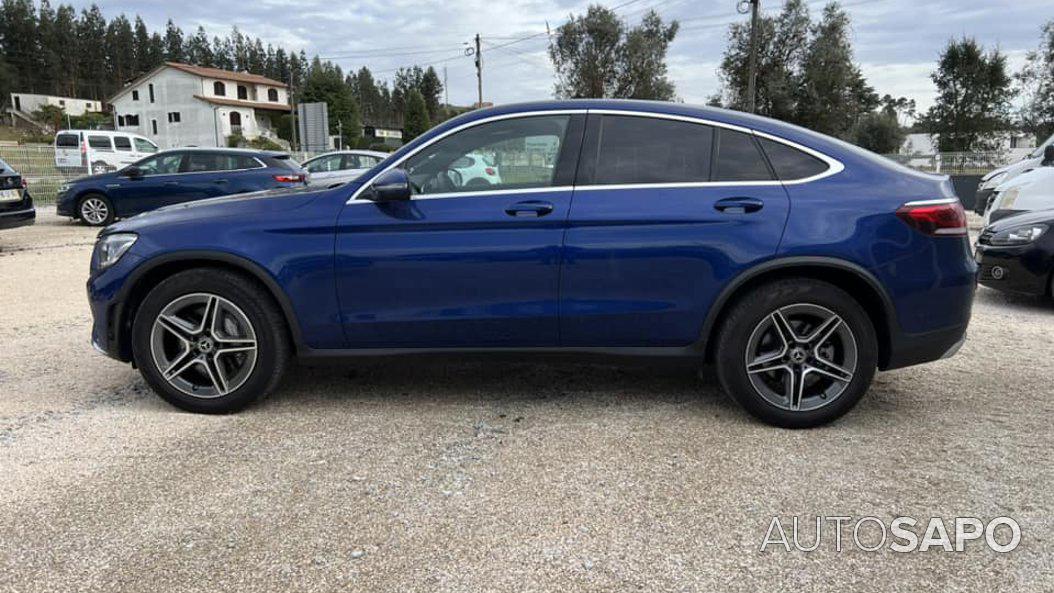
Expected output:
{"points": [[198, 49], [174, 45], [415, 119], [92, 63]]}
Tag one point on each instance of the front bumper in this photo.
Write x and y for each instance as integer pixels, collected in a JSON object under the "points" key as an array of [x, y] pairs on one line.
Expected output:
{"points": [[1023, 269], [104, 297]]}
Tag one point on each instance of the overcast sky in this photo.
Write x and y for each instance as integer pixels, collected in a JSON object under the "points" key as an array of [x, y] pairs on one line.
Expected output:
{"points": [[896, 41]]}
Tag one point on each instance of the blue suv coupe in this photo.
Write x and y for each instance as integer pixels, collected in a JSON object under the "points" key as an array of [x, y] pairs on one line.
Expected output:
{"points": [[795, 263], [173, 177]]}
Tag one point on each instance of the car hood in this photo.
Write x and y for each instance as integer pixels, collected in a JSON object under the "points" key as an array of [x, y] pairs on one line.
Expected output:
{"points": [[102, 177], [1045, 216], [238, 205]]}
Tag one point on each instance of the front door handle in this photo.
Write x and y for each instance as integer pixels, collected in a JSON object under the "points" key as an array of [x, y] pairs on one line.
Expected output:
{"points": [[171, 183], [220, 181], [530, 208], [739, 205]]}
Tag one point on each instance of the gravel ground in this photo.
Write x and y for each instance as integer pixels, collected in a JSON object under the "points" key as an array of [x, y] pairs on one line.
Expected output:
{"points": [[431, 477]]}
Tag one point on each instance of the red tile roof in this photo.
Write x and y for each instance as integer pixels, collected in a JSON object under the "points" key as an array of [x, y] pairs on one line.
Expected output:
{"points": [[243, 103], [225, 74]]}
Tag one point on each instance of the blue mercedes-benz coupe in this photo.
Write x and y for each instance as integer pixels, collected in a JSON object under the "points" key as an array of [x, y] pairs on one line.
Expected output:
{"points": [[175, 176], [795, 263]]}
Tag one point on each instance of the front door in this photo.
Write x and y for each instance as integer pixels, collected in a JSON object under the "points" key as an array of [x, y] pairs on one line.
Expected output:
{"points": [[159, 184], [463, 266], [665, 213]]}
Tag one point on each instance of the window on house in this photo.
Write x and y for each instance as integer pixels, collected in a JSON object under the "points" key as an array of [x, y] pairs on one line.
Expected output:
{"points": [[120, 121], [87, 106], [236, 119], [122, 143], [131, 120], [151, 86], [173, 117], [272, 95], [219, 89], [62, 102], [243, 93], [135, 95], [153, 126]]}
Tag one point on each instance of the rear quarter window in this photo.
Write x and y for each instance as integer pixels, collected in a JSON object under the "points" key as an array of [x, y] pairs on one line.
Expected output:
{"points": [[791, 163]]}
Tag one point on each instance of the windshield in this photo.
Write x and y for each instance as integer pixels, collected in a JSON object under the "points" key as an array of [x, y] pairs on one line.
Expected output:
{"points": [[1038, 152], [3, 165]]}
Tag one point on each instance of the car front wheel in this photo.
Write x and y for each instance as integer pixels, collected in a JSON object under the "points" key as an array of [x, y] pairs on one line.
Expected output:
{"points": [[95, 210], [797, 353], [210, 341]]}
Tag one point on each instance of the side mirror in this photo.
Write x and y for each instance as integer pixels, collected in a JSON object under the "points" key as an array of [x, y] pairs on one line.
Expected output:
{"points": [[391, 187], [133, 172], [1048, 155]]}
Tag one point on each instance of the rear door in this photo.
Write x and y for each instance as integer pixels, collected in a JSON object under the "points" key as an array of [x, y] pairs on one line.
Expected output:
{"points": [[68, 150], [124, 152], [665, 213]]}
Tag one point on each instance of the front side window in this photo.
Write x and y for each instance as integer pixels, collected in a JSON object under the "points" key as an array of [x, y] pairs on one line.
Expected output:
{"points": [[144, 145], [651, 150], [100, 143], [162, 164], [324, 164], [123, 144], [791, 163], [508, 154], [738, 158]]}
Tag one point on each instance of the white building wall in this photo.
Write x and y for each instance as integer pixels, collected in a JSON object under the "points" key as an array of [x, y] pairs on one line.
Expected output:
{"points": [[28, 103]]}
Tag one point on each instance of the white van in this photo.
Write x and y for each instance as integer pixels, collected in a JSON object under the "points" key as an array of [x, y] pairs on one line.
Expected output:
{"points": [[99, 151]]}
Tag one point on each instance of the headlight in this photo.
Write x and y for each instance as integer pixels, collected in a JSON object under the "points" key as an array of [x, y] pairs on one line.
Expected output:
{"points": [[1021, 235], [110, 248], [993, 180], [65, 187]]}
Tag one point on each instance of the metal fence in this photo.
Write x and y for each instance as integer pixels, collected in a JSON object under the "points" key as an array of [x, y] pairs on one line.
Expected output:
{"points": [[955, 163], [36, 164]]}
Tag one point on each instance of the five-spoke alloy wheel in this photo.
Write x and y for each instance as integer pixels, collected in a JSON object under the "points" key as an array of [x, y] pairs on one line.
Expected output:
{"points": [[797, 352], [210, 340]]}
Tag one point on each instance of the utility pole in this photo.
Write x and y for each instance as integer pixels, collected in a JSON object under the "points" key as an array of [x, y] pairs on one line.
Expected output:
{"points": [[340, 134], [479, 72], [292, 111], [752, 74], [446, 90]]}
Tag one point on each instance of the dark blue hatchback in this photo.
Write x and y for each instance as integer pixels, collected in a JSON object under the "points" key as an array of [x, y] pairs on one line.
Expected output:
{"points": [[797, 264], [176, 176]]}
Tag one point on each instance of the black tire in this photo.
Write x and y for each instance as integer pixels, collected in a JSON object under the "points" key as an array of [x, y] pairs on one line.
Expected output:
{"points": [[753, 310], [85, 215], [272, 343]]}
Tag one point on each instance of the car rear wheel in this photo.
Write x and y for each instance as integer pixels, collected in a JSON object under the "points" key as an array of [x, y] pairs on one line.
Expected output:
{"points": [[210, 341], [797, 353], [95, 210]]}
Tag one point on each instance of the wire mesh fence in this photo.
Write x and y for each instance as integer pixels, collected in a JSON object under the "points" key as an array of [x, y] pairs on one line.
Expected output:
{"points": [[36, 164], [955, 163]]}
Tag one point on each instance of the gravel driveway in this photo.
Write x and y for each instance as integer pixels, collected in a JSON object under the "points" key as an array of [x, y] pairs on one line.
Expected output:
{"points": [[497, 477]]}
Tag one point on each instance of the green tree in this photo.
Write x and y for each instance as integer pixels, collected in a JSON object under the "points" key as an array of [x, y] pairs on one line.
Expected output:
{"points": [[198, 49], [782, 43], [597, 55], [431, 89], [1036, 84], [879, 131], [174, 44], [120, 43], [832, 94], [415, 120], [973, 98], [51, 116], [325, 83], [92, 62]]}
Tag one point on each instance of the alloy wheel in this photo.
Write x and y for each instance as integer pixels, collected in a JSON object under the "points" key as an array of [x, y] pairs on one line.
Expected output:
{"points": [[203, 345], [801, 357], [94, 210]]}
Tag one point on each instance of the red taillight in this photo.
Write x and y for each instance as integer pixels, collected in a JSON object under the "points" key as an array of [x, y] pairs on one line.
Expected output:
{"points": [[490, 171], [289, 178], [937, 218]]}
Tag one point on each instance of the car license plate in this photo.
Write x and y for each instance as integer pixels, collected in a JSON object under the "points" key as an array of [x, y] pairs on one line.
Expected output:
{"points": [[10, 195]]}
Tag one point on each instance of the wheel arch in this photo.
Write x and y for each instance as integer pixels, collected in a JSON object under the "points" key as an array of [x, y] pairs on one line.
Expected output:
{"points": [[854, 279], [150, 274]]}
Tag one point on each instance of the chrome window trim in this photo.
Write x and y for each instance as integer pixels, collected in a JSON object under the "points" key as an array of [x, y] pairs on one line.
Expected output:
{"points": [[935, 202], [258, 162], [834, 165]]}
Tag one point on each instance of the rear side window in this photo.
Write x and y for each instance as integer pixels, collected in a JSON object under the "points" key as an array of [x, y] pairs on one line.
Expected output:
{"points": [[123, 144], [100, 143], [283, 161], [145, 145], [738, 158], [791, 163], [650, 150], [67, 141]]}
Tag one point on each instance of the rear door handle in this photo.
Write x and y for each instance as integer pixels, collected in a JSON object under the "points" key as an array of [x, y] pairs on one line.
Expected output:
{"points": [[530, 208], [739, 205], [171, 183]]}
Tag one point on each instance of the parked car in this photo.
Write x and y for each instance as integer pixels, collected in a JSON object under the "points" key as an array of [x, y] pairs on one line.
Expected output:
{"points": [[99, 151], [1029, 191], [1017, 254], [341, 167], [16, 205], [176, 176], [476, 170], [1043, 155], [681, 242]]}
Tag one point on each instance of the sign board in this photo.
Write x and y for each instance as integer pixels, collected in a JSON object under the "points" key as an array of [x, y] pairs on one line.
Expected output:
{"points": [[313, 125]]}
